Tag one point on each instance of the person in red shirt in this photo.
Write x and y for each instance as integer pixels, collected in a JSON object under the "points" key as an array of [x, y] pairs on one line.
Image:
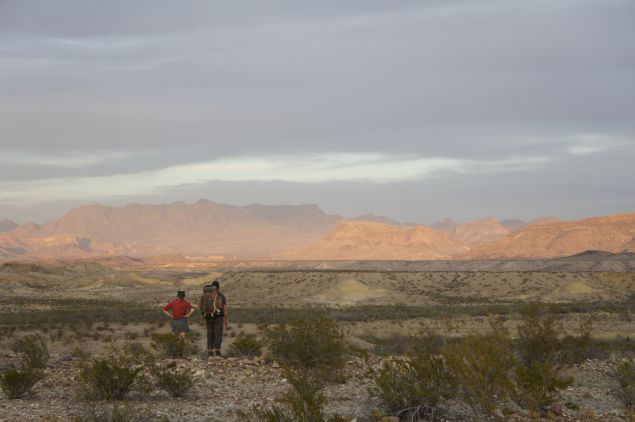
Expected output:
{"points": [[181, 311]]}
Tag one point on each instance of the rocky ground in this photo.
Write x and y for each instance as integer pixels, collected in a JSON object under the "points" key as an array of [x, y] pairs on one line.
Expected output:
{"points": [[225, 386]]}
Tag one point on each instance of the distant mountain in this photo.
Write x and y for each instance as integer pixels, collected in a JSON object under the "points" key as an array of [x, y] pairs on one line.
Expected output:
{"points": [[447, 225], [203, 228], [480, 231], [512, 223], [370, 240], [541, 240], [381, 219], [7, 225], [208, 230]]}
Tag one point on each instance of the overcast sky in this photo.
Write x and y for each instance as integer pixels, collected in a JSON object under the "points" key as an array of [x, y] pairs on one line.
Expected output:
{"points": [[412, 109]]}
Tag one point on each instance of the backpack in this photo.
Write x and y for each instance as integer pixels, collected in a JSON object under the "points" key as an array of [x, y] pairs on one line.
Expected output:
{"points": [[209, 308]]}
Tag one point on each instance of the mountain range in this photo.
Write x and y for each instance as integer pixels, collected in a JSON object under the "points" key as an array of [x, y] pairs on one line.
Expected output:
{"points": [[303, 232]]}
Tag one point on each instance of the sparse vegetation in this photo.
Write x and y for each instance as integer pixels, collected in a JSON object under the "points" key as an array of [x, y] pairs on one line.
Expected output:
{"points": [[415, 388], [247, 346], [18, 382], [314, 343], [303, 402], [481, 366], [33, 349], [172, 345], [113, 376], [176, 381], [625, 376]]}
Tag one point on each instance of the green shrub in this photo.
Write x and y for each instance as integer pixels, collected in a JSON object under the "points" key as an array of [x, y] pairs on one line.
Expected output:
{"points": [[415, 387], [33, 349], [18, 382], [625, 376], [313, 343], [538, 385], [481, 366], [174, 380], [111, 377], [172, 345], [302, 402], [538, 339], [246, 346]]}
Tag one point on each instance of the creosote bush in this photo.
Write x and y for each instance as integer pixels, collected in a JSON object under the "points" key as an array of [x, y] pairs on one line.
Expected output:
{"points": [[33, 349], [302, 402], [18, 382], [174, 380], [625, 376], [481, 366], [414, 388], [172, 345], [312, 343], [247, 346], [113, 376]]}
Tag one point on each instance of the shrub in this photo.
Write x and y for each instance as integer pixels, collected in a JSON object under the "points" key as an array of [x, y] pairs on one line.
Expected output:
{"points": [[625, 376], [111, 377], [174, 380], [33, 349], [303, 402], [415, 387], [538, 385], [116, 413], [481, 365], [172, 345], [17, 383], [246, 346], [314, 343], [538, 335]]}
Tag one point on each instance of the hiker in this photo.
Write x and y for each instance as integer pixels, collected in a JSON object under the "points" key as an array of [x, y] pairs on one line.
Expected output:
{"points": [[181, 311], [214, 310]]}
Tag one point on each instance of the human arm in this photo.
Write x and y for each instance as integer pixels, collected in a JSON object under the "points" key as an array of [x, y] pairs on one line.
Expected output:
{"points": [[166, 308], [226, 314]]}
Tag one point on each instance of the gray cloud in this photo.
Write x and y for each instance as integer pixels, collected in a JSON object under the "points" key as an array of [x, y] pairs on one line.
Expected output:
{"points": [[149, 85]]}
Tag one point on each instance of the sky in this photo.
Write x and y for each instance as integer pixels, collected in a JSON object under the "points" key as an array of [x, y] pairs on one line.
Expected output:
{"points": [[416, 110]]}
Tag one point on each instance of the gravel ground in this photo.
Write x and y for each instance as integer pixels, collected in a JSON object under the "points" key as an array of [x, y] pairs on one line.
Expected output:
{"points": [[225, 386]]}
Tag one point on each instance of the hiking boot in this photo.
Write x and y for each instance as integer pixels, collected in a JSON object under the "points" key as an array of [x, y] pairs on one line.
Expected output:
{"points": [[210, 353], [218, 354]]}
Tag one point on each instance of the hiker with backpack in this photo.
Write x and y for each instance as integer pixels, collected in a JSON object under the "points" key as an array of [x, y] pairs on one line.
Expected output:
{"points": [[181, 311], [214, 310]]}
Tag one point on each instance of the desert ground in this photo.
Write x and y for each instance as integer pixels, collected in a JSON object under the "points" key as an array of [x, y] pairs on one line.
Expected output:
{"points": [[88, 307]]}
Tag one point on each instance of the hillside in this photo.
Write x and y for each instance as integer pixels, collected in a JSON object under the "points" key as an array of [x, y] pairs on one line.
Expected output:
{"points": [[371, 240], [610, 233], [203, 228]]}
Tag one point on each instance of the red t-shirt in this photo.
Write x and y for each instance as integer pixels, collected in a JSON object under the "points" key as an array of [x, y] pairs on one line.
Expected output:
{"points": [[180, 308]]}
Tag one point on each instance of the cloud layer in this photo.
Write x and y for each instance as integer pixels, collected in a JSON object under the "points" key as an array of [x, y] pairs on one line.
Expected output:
{"points": [[119, 101]]}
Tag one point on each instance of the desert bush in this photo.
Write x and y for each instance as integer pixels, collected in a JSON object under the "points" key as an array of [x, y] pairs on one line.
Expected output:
{"points": [[33, 349], [542, 353], [538, 339], [172, 345], [538, 385], [115, 413], [112, 377], [246, 346], [625, 377], [314, 343], [575, 349], [302, 402], [16, 383], [481, 366], [416, 387], [174, 380]]}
